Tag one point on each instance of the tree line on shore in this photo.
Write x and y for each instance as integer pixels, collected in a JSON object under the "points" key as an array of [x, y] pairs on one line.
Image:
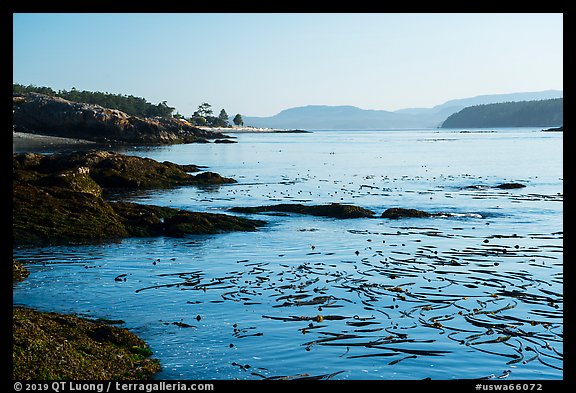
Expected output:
{"points": [[509, 114], [135, 106]]}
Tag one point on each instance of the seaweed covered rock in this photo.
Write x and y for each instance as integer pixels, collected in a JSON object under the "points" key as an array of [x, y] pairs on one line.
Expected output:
{"points": [[150, 220], [59, 199], [400, 212], [211, 178], [113, 170], [334, 210], [52, 346], [55, 215], [75, 179]]}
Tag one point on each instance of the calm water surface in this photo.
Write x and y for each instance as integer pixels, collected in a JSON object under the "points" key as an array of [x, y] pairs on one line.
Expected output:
{"points": [[475, 293]]}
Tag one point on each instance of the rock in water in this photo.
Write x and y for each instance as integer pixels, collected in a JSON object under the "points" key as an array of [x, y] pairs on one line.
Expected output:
{"points": [[509, 186], [399, 212], [59, 199], [334, 210]]}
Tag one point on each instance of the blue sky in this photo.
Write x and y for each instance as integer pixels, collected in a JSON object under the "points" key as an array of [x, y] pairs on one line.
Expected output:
{"points": [[260, 64]]}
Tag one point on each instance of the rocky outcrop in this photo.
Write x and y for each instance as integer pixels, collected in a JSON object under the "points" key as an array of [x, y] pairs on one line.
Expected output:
{"points": [[41, 114], [59, 199], [510, 186], [502, 186], [554, 129], [149, 220], [395, 213], [54, 346], [334, 210], [90, 170], [400, 212]]}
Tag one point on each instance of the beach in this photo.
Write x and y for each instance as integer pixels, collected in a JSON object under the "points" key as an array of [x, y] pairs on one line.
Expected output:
{"points": [[22, 141]]}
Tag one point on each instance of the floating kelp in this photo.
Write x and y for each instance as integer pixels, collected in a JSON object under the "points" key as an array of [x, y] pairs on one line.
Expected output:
{"points": [[303, 377], [469, 292]]}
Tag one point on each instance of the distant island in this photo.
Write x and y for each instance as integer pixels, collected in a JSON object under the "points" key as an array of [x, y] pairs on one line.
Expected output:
{"points": [[346, 117], [541, 113]]}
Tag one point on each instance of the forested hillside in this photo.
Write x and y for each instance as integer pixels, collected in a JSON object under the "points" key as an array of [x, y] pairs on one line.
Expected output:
{"points": [[541, 113], [135, 106]]}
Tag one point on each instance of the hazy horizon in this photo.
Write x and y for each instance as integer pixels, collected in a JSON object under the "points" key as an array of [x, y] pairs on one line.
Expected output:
{"points": [[261, 64]]}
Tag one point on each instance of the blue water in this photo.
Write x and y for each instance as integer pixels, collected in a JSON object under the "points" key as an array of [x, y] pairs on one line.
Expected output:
{"points": [[476, 293]]}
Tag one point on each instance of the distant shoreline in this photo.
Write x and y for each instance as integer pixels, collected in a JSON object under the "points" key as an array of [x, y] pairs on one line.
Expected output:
{"points": [[242, 130]]}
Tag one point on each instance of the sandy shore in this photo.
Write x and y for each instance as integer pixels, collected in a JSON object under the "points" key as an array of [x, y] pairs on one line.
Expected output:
{"points": [[22, 141]]}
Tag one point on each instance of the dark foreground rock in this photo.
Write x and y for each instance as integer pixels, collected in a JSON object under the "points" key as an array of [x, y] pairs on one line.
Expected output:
{"points": [[59, 199], [334, 210], [41, 114], [51, 346]]}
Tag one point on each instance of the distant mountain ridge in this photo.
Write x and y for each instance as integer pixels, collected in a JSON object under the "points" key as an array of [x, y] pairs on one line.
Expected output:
{"points": [[348, 117]]}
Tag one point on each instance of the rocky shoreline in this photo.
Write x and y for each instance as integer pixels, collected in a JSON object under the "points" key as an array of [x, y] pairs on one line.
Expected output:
{"points": [[62, 199], [54, 346], [41, 114]]}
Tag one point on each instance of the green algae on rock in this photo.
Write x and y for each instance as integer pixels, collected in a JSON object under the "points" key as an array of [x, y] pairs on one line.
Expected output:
{"points": [[400, 212], [149, 220], [54, 215], [59, 199], [52, 346], [113, 170]]}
